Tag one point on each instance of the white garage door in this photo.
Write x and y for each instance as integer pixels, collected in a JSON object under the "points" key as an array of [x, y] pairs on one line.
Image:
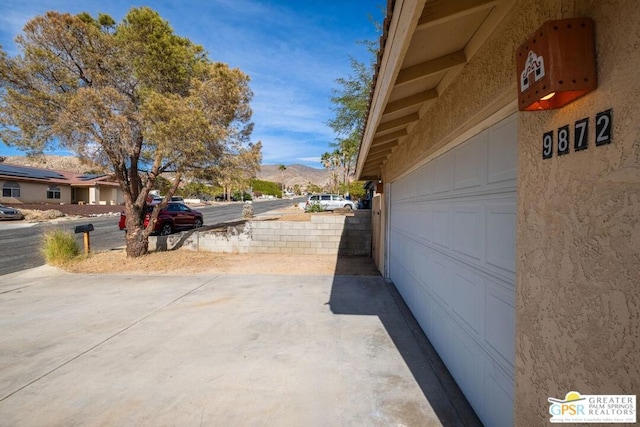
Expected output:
{"points": [[452, 257]]}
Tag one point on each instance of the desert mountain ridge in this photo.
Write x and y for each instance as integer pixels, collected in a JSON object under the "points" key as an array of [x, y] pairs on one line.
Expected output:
{"points": [[61, 163], [294, 174]]}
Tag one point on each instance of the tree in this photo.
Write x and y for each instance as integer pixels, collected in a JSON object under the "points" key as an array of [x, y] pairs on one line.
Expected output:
{"points": [[351, 105], [331, 161], [355, 189], [266, 187], [236, 168], [282, 168], [134, 97]]}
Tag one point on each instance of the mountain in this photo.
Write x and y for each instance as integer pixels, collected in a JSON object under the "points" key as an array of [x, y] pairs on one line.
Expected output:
{"points": [[61, 163], [294, 174]]}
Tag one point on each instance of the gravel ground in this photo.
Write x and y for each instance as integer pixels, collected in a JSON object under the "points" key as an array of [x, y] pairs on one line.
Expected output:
{"points": [[72, 210]]}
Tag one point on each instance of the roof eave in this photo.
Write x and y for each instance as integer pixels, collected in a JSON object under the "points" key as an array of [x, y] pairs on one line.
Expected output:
{"points": [[404, 19]]}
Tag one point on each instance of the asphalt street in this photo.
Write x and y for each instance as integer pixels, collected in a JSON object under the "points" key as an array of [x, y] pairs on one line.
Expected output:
{"points": [[20, 241]]}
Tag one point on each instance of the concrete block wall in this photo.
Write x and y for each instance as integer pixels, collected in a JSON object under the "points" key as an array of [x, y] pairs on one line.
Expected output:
{"points": [[323, 235]]}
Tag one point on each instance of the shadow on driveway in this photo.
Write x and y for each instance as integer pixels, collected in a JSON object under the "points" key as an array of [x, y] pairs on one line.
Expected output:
{"points": [[377, 297]]}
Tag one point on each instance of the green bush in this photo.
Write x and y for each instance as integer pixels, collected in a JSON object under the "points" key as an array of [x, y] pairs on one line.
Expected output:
{"points": [[59, 247], [314, 207], [267, 187], [243, 196]]}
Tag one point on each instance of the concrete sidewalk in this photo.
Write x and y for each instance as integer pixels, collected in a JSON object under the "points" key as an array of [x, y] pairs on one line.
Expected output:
{"points": [[216, 350]]}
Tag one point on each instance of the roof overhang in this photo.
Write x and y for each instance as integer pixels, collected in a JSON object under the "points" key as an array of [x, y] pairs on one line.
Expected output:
{"points": [[424, 46]]}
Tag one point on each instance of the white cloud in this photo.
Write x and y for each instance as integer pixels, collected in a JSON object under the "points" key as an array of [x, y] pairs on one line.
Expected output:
{"points": [[310, 159]]}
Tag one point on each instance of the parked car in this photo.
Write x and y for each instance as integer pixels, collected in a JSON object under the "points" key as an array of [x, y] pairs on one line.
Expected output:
{"points": [[10, 213], [329, 202], [175, 216], [154, 199]]}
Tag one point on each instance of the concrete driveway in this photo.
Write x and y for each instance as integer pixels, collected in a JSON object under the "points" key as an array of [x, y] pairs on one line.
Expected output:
{"points": [[215, 350]]}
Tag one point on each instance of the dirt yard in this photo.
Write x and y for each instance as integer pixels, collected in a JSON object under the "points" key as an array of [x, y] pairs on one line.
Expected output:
{"points": [[188, 262]]}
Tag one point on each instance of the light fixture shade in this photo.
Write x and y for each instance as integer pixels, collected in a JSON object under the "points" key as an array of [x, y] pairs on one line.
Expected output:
{"points": [[556, 65]]}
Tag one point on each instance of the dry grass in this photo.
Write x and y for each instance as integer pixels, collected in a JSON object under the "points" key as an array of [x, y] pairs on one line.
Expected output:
{"points": [[188, 262]]}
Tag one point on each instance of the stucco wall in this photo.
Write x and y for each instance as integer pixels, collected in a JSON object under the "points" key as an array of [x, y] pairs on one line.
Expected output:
{"points": [[578, 241], [36, 193]]}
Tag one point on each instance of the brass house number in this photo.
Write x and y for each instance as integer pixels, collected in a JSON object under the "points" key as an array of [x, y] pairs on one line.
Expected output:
{"points": [[580, 135]]}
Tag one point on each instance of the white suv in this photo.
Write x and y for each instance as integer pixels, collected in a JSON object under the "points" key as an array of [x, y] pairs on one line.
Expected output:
{"points": [[329, 202]]}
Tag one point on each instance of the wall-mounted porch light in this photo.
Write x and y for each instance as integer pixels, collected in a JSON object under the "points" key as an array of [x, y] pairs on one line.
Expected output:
{"points": [[556, 65]]}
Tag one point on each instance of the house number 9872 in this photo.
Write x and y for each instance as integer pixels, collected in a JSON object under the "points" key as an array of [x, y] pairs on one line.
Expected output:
{"points": [[603, 123]]}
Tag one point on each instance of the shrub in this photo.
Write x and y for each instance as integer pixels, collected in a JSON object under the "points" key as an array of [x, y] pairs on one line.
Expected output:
{"points": [[266, 187], [243, 196], [59, 247], [314, 207]]}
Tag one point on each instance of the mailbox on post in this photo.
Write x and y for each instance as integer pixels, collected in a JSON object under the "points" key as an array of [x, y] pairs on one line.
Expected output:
{"points": [[85, 229]]}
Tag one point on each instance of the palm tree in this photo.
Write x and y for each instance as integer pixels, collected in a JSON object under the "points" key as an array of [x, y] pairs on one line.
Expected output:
{"points": [[282, 168]]}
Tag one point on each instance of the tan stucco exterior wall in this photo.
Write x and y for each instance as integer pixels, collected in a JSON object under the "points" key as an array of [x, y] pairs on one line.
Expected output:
{"points": [[111, 195], [578, 238], [36, 193]]}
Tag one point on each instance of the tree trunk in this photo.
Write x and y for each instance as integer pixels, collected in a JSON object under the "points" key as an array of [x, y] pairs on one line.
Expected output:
{"points": [[137, 243], [137, 238]]}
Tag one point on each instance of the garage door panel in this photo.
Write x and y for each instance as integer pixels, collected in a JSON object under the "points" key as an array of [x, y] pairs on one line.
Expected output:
{"points": [[441, 332], [423, 303], [442, 174], [499, 325], [440, 279], [503, 152], [442, 226], [467, 297], [501, 234], [422, 268], [497, 406], [425, 182], [467, 230], [465, 365], [425, 226], [469, 161]]}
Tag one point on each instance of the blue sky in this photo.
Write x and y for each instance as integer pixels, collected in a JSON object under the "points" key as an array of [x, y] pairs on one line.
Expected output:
{"points": [[293, 50]]}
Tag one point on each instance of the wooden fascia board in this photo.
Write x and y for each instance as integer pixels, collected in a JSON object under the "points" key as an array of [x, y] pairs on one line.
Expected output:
{"points": [[397, 123], [440, 11], [433, 66], [411, 101], [403, 23]]}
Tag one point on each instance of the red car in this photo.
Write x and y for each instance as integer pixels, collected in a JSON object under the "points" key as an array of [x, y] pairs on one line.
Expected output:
{"points": [[174, 216]]}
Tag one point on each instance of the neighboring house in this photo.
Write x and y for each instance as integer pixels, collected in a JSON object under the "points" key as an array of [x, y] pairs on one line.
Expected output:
{"points": [[513, 236], [23, 184]]}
